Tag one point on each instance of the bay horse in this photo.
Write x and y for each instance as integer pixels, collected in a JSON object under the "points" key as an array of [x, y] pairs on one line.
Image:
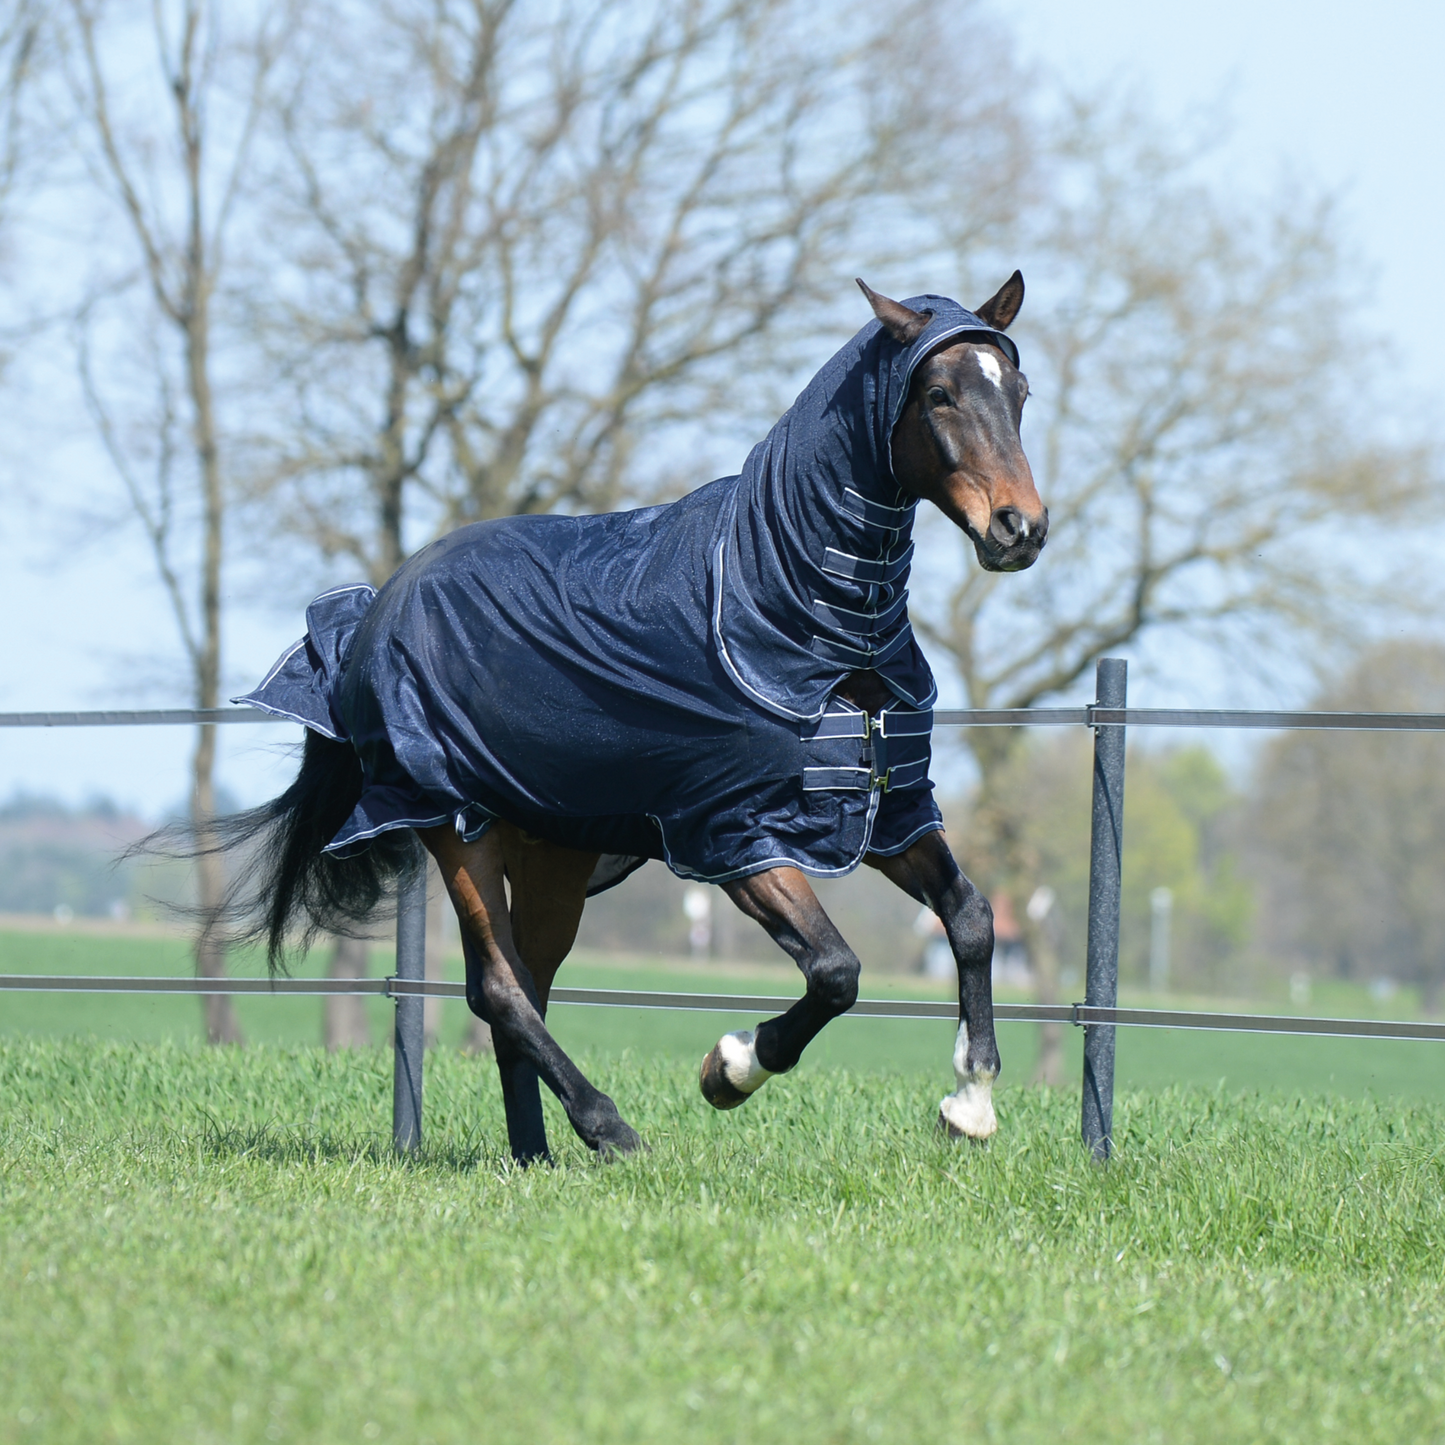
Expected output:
{"points": [[729, 683]]}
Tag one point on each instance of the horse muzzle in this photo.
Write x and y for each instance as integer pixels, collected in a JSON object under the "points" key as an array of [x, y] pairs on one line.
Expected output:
{"points": [[1012, 541]]}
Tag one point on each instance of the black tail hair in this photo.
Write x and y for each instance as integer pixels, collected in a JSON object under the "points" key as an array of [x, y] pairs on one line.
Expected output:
{"points": [[283, 879]]}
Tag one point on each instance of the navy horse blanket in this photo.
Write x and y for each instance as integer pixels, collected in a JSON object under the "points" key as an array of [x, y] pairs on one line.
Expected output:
{"points": [[658, 683]]}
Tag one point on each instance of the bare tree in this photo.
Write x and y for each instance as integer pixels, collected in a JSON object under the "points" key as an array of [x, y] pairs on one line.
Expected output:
{"points": [[24, 57], [540, 234], [1202, 431], [169, 151], [533, 236], [20, 47]]}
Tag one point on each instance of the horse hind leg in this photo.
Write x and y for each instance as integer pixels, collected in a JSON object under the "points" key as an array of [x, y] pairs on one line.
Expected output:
{"points": [[501, 990], [521, 1092], [782, 900], [548, 888]]}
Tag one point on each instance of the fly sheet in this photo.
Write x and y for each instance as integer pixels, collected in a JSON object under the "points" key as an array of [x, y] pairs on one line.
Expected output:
{"points": [[658, 683]]}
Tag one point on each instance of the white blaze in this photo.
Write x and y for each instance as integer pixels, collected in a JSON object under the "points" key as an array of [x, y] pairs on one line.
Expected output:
{"points": [[988, 364]]}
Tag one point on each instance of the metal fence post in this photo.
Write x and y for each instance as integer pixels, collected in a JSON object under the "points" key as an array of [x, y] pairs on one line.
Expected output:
{"points": [[1101, 986], [410, 1023]]}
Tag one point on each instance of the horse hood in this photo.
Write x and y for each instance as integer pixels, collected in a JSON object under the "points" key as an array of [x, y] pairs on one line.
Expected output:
{"points": [[810, 567]]}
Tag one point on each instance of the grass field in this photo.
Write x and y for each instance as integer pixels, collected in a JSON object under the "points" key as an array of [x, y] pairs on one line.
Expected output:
{"points": [[215, 1245]]}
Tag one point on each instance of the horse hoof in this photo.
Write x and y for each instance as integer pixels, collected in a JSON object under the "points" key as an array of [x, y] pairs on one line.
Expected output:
{"points": [[953, 1133], [968, 1114], [621, 1141], [731, 1073]]}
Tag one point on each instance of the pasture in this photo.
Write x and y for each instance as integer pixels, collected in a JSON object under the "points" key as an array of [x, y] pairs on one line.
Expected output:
{"points": [[216, 1245]]}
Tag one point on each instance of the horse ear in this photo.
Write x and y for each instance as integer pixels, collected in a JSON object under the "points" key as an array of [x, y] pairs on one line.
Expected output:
{"points": [[1000, 309], [902, 324]]}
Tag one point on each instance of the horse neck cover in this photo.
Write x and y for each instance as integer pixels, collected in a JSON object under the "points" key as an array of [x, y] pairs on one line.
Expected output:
{"points": [[657, 683]]}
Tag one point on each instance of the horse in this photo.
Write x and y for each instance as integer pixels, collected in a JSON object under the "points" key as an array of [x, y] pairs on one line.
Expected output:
{"points": [[728, 683]]}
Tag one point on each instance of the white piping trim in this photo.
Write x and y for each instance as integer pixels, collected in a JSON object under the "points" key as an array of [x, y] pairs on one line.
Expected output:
{"points": [[381, 828], [899, 603], [910, 841], [905, 511], [338, 591], [903, 562], [290, 653], [874, 794], [275, 711], [777, 709], [270, 676]]}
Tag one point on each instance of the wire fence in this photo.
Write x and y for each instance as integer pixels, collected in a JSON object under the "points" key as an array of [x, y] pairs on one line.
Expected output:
{"points": [[1078, 1014], [1098, 1014], [1090, 715]]}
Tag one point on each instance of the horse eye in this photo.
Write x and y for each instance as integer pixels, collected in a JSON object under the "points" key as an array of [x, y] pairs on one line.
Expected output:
{"points": [[937, 396]]}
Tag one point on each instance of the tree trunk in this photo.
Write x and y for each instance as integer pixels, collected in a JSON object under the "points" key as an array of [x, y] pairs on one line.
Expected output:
{"points": [[218, 1010], [221, 1023], [1045, 957], [343, 1019], [1007, 864]]}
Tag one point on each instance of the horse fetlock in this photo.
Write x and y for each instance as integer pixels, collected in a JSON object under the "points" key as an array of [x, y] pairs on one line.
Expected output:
{"points": [[967, 1113], [731, 1073]]}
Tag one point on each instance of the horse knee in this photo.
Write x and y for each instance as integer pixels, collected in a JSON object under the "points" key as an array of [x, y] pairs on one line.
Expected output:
{"points": [[833, 980], [971, 927], [498, 1002], [477, 1002]]}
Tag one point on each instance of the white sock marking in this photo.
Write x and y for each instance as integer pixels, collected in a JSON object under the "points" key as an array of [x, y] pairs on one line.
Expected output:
{"points": [[740, 1062], [988, 364], [969, 1110]]}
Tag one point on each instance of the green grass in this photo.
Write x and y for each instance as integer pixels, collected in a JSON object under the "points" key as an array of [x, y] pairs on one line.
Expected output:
{"points": [[1148, 1058], [216, 1245]]}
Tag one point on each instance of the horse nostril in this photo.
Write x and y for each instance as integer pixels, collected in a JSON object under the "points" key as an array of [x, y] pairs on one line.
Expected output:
{"points": [[1007, 526]]}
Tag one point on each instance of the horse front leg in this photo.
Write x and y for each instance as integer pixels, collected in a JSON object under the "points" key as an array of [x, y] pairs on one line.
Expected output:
{"points": [[926, 871], [501, 990], [784, 903]]}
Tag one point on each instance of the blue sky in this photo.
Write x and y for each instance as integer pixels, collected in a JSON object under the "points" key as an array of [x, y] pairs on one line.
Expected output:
{"points": [[1349, 96], [1346, 96]]}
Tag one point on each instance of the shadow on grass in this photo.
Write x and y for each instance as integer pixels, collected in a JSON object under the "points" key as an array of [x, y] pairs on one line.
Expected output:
{"points": [[279, 1144]]}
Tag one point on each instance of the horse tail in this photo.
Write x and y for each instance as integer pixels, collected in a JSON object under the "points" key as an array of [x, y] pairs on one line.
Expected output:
{"points": [[283, 881]]}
